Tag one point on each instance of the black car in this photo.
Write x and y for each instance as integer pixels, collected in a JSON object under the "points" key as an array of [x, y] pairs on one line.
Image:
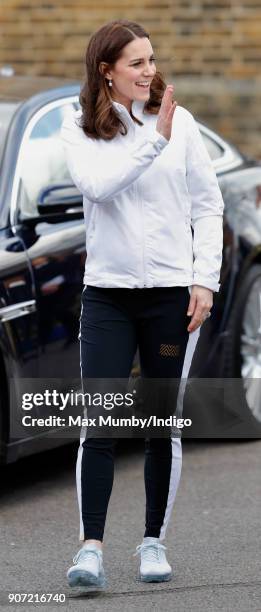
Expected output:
{"points": [[42, 258]]}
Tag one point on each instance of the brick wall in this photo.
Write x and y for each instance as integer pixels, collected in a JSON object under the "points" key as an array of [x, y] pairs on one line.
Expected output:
{"points": [[210, 50]]}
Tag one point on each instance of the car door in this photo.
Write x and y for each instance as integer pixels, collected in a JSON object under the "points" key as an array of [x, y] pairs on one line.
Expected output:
{"points": [[55, 244]]}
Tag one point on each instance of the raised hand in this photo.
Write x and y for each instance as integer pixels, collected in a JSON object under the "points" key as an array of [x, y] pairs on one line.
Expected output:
{"points": [[166, 112]]}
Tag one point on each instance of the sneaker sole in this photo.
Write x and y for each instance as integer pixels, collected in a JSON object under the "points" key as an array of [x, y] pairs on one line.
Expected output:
{"points": [[83, 578], [155, 577]]}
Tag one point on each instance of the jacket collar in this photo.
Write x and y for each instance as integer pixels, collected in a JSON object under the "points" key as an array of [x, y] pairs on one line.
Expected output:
{"points": [[136, 107]]}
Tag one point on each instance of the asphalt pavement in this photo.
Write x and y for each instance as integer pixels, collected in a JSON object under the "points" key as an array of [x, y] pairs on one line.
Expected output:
{"points": [[213, 539]]}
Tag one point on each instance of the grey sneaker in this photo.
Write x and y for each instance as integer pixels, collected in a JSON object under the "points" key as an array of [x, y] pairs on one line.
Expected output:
{"points": [[154, 566], [88, 568]]}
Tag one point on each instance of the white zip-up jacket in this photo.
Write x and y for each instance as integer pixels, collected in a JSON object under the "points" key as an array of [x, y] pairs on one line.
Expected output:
{"points": [[141, 196]]}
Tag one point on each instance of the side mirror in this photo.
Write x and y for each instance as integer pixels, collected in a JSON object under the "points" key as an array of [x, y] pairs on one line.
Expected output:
{"points": [[59, 198]]}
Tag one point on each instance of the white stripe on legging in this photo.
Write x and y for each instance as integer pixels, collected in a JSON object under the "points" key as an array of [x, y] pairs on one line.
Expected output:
{"points": [[80, 449], [176, 460]]}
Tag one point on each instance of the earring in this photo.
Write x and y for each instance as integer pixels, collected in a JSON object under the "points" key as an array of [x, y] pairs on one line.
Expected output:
{"points": [[110, 83]]}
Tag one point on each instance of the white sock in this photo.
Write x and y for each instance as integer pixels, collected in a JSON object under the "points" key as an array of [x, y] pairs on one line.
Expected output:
{"points": [[86, 545], [150, 539]]}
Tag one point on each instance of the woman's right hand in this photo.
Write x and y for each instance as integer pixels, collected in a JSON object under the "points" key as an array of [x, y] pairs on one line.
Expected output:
{"points": [[166, 112]]}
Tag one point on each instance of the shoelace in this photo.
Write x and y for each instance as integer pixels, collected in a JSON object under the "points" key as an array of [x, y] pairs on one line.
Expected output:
{"points": [[151, 552], [83, 553]]}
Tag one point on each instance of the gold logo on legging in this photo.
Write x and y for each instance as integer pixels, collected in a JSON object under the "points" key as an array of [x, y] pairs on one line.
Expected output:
{"points": [[169, 350]]}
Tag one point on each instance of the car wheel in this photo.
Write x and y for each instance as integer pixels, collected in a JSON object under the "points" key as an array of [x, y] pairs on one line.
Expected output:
{"points": [[243, 348], [1, 433]]}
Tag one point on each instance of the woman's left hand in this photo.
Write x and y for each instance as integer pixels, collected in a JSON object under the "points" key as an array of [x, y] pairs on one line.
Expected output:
{"points": [[201, 300]]}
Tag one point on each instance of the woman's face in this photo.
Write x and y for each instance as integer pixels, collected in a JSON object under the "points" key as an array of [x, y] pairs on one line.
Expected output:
{"points": [[136, 65]]}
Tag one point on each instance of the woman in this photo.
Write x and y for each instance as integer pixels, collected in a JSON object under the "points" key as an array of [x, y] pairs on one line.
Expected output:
{"points": [[146, 178]]}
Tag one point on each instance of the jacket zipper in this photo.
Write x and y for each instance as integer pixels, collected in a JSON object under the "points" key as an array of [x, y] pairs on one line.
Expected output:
{"points": [[143, 238]]}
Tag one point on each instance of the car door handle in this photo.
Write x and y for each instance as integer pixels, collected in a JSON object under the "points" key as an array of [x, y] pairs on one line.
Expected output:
{"points": [[17, 310]]}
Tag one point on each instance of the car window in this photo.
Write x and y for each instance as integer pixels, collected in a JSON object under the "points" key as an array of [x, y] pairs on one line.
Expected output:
{"points": [[7, 110], [241, 192], [214, 149], [43, 163]]}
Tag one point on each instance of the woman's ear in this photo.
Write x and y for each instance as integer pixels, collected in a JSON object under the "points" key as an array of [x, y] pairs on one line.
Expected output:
{"points": [[103, 69]]}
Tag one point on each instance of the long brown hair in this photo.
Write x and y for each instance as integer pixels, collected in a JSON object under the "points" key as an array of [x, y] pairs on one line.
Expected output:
{"points": [[99, 118]]}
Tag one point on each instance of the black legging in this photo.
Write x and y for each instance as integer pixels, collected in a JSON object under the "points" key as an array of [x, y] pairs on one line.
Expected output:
{"points": [[113, 323]]}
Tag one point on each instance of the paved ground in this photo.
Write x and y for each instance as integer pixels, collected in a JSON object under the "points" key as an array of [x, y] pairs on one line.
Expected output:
{"points": [[213, 540]]}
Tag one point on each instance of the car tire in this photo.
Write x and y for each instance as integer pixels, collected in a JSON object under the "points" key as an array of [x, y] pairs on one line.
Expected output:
{"points": [[4, 405], [1, 433], [243, 340]]}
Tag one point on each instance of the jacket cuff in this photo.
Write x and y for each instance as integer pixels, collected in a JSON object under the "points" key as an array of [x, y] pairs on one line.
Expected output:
{"points": [[204, 281], [159, 141]]}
